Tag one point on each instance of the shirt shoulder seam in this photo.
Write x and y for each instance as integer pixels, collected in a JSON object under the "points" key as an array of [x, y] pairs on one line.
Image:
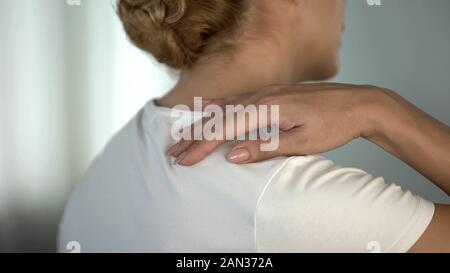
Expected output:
{"points": [[418, 215], [260, 197]]}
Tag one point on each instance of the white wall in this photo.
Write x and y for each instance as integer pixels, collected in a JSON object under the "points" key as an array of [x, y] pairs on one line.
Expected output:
{"points": [[68, 80]]}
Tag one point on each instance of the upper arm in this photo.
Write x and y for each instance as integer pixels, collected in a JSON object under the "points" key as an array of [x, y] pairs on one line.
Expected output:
{"points": [[314, 205], [436, 238]]}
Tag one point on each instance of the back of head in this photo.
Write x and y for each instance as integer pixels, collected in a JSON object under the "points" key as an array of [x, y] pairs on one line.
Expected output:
{"points": [[178, 32]]}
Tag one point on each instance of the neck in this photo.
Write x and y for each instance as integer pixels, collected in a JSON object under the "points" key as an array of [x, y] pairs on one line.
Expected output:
{"points": [[247, 71]]}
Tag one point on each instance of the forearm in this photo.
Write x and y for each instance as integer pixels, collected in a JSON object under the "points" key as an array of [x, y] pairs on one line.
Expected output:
{"points": [[411, 135]]}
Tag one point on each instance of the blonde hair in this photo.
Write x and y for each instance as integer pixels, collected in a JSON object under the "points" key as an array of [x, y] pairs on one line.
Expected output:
{"points": [[178, 32]]}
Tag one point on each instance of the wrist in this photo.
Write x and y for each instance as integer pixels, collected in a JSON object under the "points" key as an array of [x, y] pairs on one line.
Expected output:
{"points": [[377, 112]]}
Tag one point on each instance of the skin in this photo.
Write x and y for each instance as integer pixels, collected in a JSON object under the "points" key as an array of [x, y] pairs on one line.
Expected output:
{"points": [[304, 45]]}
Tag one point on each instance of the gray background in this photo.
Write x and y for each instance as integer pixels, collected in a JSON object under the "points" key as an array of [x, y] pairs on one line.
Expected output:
{"points": [[69, 80], [403, 45]]}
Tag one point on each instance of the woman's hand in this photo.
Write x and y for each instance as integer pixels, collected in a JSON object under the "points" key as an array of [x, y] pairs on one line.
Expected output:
{"points": [[314, 118], [320, 117]]}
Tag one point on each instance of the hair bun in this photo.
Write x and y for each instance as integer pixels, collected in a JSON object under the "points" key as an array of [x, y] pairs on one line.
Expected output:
{"points": [[160, 11], [177, 12], [177, 32]]}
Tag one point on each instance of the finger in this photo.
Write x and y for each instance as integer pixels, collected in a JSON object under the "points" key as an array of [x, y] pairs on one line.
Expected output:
{"points": [[180, 147], [198, 151], [186, 141], [233, 126], [194, 134], [188, 136], [290, 144]]}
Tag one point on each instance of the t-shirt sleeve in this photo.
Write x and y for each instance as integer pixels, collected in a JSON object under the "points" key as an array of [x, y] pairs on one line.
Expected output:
{"points": [[313, 205]]}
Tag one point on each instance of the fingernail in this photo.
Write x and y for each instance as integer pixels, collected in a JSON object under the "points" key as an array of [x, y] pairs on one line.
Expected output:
{"points": [[180, 158], [239, 156]]}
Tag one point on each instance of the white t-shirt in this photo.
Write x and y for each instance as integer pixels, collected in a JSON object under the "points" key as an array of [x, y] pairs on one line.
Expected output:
{"points": [[134, 199]]}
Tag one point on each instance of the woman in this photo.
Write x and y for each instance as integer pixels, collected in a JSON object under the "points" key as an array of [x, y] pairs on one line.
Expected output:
{"points": [[133, 198]]}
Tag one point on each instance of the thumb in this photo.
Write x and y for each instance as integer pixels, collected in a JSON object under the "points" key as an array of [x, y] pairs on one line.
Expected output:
{"points": [[250, 151]]}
